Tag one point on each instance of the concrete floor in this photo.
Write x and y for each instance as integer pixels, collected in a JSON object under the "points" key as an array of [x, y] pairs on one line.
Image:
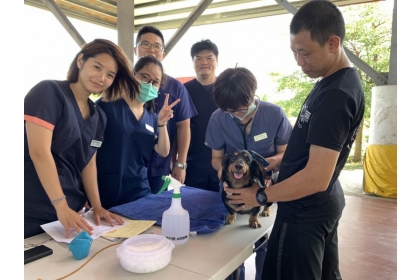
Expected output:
{"points": [[367, 234]]}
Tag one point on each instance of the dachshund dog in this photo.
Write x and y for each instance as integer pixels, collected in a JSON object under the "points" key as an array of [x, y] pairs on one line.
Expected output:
{"points": [[241, 170]]}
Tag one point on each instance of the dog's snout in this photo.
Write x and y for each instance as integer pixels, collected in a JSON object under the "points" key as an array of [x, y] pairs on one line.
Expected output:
{"points": [[239, 164]]}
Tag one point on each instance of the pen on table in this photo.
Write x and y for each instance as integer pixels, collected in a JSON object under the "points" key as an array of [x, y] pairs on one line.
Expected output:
{"points": [[86, 212]]}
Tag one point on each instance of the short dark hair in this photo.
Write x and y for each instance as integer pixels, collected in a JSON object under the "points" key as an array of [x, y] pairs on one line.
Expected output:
{"points": [[149, 29], [143, 62], [234, 87], [321, 18], [204, 45], [124, 80]]}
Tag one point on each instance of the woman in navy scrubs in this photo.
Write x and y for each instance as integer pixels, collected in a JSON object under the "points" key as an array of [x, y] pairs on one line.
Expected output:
{"points": [[133, 130], [63, 130]]}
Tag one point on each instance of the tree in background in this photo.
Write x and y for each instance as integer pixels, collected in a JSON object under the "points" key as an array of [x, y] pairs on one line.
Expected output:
{"points": [[300, 85], [369, 39], [368, 36]]}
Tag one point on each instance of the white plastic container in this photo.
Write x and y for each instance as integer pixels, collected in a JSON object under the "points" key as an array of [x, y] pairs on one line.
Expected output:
{"points": [[175, 220], [145, 253]]}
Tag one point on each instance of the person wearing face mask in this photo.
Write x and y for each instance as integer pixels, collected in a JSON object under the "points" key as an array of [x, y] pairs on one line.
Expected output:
{"points": [[133, 131], [150, 42], [308, 193], [244, 122]]}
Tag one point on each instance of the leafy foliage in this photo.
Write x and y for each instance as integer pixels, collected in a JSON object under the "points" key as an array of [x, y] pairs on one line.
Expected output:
{"points": [[300, 84], [368, 36]]}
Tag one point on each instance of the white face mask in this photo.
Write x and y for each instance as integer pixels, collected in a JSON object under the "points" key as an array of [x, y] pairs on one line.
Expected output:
{"points": [[250, 110]]}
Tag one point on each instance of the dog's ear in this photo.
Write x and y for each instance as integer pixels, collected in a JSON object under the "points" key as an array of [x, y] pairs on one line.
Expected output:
{"points": [[225, 164], [226, 159]]}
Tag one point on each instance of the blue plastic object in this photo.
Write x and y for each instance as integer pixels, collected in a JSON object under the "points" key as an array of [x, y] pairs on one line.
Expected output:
{"points": [[261, 160], [80, 245]]}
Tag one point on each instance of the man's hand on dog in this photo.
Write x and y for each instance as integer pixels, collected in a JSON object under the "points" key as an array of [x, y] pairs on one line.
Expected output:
{"points": [[274, 164], [246, 196]]}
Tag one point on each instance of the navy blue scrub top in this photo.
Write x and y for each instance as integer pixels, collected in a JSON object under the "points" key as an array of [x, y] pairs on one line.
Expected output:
{"points": [[123, 158], [74, 141], [183, 110]]}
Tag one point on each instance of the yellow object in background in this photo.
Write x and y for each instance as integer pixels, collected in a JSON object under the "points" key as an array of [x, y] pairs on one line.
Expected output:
{"points": [[380, 170]]}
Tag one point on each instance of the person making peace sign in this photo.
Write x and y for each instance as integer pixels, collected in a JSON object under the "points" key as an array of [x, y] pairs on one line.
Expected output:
{"points": [[133, 130]]}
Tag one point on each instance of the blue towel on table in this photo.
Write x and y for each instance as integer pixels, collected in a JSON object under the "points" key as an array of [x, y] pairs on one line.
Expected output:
{"points": [[206, 209]]}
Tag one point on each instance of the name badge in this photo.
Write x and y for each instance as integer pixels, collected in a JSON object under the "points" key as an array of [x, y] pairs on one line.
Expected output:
{"points": [[260, 137], [96, 143], [149, 128]]}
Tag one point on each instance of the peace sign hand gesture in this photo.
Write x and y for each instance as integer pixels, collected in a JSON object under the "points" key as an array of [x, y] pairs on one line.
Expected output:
{"points": [[166, 112]]}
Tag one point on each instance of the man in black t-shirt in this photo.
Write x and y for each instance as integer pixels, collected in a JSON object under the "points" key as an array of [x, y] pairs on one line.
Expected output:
{"points": [[303, 243], [200, 173]]}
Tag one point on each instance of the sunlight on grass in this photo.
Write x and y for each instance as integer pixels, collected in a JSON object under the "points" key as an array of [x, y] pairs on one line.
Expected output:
{"points": [[350, 165]]}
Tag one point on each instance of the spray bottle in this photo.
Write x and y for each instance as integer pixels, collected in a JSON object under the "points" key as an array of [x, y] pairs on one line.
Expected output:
{"points": [[175, 220]]}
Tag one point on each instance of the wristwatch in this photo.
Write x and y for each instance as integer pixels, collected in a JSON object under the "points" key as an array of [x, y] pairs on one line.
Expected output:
{"points": [[261, 197], [180, 165]]}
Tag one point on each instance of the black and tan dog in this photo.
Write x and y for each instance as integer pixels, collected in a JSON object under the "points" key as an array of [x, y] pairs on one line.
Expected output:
{"points": [[241, 170]]}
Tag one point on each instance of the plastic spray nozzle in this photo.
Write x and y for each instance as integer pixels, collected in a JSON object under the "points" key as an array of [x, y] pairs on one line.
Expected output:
{"points": [[170, 181]]}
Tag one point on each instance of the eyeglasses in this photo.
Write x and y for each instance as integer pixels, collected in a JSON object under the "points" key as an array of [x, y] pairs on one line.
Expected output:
{"points": [[145, 79], [240, 111], [147, 45]]}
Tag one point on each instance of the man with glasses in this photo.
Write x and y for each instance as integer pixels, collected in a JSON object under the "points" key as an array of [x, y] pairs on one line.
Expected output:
{"points": [[150, 42], [243, 122], [200, 173]]}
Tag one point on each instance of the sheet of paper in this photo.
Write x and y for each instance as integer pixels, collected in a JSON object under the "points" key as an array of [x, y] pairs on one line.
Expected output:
{"points": [[132, 228], [56, 229]]}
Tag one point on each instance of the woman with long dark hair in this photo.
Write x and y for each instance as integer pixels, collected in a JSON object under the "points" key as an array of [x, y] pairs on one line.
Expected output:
{"points": [[63, 131]]}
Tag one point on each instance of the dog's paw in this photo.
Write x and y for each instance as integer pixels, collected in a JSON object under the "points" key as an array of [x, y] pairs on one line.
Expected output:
{"points": [[265, 213], [230, 219], [255, 225], [253, 222]]}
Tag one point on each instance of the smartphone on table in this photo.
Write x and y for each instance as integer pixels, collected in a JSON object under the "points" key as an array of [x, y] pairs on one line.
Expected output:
{"points": [[36, 253]]}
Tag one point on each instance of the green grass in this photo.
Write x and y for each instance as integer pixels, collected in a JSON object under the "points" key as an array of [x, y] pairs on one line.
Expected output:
{"points": [[350, 165]]}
